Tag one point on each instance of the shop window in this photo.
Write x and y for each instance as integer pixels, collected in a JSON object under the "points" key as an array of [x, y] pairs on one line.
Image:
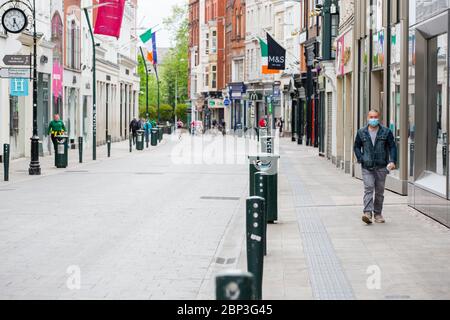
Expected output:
{"points": [[394, 87], [214, 77], [363, 82], [411, 102], [13, 116], [214, 42]]}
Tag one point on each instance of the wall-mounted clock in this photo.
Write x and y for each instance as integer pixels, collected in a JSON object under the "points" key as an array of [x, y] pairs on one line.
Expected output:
{"points": [[14, 20]]}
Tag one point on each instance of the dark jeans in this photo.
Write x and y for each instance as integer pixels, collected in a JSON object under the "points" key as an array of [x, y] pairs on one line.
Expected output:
{"points": [[55, 143], [374, 183]]}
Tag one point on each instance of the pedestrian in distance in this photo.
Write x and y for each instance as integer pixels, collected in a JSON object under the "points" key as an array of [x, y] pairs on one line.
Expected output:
{"points": [[262, 123], [56, 128], [147, 128], [281, 127], [376, 151], [134, 125]]}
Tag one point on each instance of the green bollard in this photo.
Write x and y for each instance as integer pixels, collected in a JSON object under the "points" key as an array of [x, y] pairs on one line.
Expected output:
{"points": [[262, 190], [272, 205], [252, 171], [154, 137], [268, 163], [108, 142], [235, 285], [80, 149], [6, 148], [255, 244]]}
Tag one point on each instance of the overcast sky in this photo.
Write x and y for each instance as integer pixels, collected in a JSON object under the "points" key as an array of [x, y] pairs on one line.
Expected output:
{"points": [[152, 12]]}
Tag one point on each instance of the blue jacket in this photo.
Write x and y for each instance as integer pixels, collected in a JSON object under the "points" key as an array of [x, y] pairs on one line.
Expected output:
{"points": [[147, 127], [379, 156]]}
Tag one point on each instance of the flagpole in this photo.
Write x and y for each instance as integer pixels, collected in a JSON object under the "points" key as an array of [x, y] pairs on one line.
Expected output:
{"points": [[94, 89], [146, 72]]}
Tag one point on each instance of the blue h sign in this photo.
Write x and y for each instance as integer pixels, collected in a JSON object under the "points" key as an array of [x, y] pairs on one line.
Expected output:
{"points": [[18, 87]]}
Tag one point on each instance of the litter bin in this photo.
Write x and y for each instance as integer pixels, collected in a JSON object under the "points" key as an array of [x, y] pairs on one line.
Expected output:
{"points": [[140, 140], [62, 151], [154, 138], [267, 144], [265, 162], [239, 131], [160, 134]]}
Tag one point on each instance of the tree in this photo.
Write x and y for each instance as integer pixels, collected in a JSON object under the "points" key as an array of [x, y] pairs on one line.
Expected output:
{"points": [[176, 63], [173, 71]]}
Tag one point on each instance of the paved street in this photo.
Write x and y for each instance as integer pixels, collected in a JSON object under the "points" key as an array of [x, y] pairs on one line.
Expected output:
{"points": [[154, 225]]}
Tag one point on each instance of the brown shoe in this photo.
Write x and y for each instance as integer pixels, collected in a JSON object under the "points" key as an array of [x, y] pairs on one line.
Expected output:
{"points": [[379, 218], [367, 218]]}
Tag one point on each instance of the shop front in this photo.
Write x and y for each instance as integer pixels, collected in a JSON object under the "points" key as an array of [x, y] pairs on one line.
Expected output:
{"points": [[428, 142], [345, 130]]}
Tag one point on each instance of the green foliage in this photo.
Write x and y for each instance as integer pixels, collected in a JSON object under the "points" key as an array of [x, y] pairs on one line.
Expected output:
{"points": [[181, 112], [173, 73], [166, 112]]}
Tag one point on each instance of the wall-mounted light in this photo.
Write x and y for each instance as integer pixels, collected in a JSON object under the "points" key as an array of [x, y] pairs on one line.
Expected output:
{"points": [[44, 59]]}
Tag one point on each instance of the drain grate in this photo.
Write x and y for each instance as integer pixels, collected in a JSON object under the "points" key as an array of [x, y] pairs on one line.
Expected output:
{"points": [[150, 173], [225, 261], [221, 198]]}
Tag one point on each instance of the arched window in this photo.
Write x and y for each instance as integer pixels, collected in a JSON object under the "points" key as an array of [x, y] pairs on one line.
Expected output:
{"points": [[73, 44]]}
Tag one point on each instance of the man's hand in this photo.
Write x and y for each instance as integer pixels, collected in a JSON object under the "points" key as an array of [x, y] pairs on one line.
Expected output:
{"points": [[391, 166]]}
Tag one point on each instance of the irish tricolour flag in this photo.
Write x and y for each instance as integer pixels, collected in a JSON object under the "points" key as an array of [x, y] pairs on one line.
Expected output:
{"points": [[265, 58], [149, 40]]}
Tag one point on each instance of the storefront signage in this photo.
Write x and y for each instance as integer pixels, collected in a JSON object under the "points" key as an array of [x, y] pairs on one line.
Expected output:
{"points": [[340, 56], [18, 87], [310, 55], [302, 38], [15, 73], [216, 103], [378, 50], [344, 53], [17, 60]]}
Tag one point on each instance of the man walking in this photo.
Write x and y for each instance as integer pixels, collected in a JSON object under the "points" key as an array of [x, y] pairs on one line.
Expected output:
{"points": [[134, 124], [56, 128], [376, 151]]}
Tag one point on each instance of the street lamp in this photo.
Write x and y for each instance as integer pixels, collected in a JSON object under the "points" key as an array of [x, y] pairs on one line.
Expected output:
{"points": [[176, 95], [35, 167], [146, 73], [94, 80]]}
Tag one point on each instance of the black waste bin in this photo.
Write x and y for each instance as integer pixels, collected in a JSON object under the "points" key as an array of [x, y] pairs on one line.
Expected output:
{"points": [[154, 138], [62, 151], [140, 140], [160, 134]]}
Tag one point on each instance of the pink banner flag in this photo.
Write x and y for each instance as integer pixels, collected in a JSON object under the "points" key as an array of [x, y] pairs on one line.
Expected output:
{"points": [[109, 17]]}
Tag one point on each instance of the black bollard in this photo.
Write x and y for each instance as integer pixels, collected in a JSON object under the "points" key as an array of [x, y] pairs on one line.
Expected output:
{"points": [[131, 143], [80, 149], [262, 190], [255, 241], [6, 150], [109, 145]]}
